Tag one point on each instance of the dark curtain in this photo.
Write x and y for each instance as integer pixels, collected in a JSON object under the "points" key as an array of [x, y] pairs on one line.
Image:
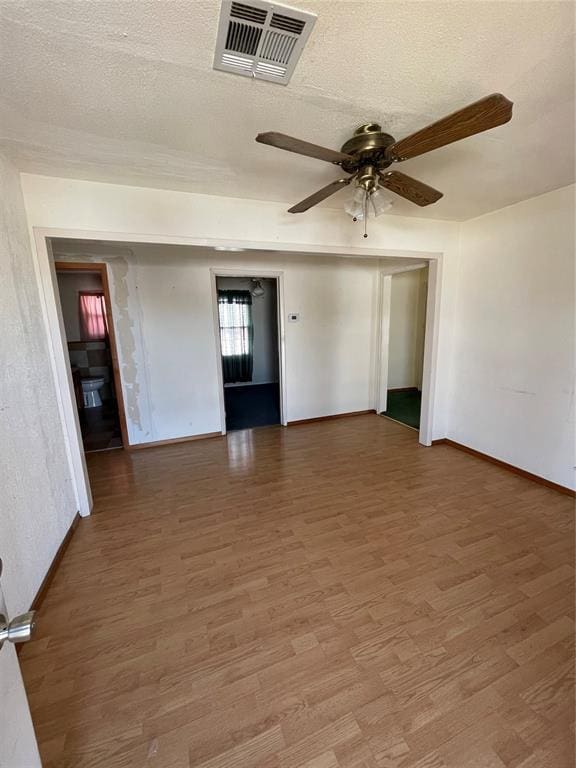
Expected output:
{"points": [[236, 335]]}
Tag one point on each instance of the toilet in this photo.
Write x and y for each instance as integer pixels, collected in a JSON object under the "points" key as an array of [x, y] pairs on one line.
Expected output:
{"points": [[91, 390]]}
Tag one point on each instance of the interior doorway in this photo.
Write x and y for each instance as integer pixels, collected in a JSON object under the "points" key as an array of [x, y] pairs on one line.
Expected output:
{"points": [[86, 313], [250, 350], [408, 297]]}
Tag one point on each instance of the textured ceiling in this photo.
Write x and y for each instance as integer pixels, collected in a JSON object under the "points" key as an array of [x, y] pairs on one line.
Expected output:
{"points": [[125, 92]]}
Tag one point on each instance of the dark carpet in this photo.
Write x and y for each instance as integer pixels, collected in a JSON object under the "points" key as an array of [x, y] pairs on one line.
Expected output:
{"points": [[256, 405], [404, 406]]}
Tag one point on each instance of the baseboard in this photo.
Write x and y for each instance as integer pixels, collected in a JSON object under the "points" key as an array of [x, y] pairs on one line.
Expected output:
{"points": [[330, 418], [505, 465], [173, 441], [51, 572], [404, 389]]}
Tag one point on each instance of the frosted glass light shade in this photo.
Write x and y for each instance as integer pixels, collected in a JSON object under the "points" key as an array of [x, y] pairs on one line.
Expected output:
{"points": [[376, 203], [354, 205], [379, 203]]}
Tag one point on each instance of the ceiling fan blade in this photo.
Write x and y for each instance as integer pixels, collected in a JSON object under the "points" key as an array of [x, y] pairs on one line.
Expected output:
{"points": [[322, 194], [290, 144], [410, 188], [480, 116]]}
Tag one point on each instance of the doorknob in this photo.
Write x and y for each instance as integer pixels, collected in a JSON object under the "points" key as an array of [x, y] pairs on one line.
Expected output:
{"points": [[19, 630]]}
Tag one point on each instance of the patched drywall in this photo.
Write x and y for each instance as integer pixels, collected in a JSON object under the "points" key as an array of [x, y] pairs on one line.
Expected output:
{"points": [[514, 372], [127, 330], [125, 92]]}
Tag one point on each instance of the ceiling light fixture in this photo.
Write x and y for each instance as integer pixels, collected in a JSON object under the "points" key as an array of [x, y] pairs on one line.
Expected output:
{"points": [[257, 290], [367, 198], [227, 248]]}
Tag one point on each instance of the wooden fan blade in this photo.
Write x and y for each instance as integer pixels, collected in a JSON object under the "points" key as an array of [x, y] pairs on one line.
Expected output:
{"points": [[290, 144], [480, 116], [322, 194], [410, 188]]}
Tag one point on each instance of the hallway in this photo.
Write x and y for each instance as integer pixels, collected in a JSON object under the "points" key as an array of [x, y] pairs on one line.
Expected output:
{"points": [[331, 595]]}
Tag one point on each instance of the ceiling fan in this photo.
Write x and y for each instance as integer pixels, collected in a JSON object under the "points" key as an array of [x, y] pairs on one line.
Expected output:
{"points": [[370, 151]]}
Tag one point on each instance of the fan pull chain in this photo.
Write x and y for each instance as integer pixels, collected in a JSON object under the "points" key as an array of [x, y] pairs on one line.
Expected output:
{"points": [[365, 205]]}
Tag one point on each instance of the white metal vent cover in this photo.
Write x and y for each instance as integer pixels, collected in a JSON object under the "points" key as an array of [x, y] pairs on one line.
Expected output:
{"points": [[260, 39]]}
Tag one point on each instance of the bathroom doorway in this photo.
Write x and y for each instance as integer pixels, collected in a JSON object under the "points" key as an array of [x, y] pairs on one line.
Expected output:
{"points": [[250, 350], [86, 313]]}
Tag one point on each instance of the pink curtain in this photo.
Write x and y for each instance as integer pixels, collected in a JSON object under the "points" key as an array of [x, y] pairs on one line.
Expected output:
{"points": [[93, 325]]}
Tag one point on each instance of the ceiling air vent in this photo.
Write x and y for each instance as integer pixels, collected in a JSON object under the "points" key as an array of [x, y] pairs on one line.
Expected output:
{"points": [[260, 39]]}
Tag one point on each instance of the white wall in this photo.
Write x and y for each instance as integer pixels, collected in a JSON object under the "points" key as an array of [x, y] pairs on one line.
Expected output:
{"points": [[168, 317], [513, 388], [407, 328], [265, 323], [69, 286], [143, 214], [37, 497]]}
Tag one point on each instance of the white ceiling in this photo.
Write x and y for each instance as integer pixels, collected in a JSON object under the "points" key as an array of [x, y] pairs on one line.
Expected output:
{"points": [[124, 91]]}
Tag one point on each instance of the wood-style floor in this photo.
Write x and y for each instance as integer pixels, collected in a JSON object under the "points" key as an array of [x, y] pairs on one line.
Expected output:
{"points": [[331, 595]]}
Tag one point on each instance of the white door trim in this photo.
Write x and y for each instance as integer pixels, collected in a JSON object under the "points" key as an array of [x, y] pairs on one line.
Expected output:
{"points": [[383, 335], [430, 363], [60, 362], [46, 278]]}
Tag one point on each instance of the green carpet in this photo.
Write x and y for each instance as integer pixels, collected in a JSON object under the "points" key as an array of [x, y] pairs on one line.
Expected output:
{"points": [[404, 406]]}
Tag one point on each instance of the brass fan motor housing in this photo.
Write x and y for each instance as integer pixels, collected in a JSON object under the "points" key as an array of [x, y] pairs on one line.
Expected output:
{"points": [[367, 146]]}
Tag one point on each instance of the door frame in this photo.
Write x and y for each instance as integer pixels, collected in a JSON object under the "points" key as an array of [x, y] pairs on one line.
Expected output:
{"points": [[216, 272], [430, 342], [102, 269]]}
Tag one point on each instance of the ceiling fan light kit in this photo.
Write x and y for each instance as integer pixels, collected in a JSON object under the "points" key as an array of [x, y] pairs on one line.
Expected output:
{"points": [[368, 154], [367, 200]]}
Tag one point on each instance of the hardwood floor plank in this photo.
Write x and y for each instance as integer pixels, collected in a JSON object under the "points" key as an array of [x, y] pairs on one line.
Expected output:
{"points": [[546, 580], [541, 640], [333, 596], [333, 735]]}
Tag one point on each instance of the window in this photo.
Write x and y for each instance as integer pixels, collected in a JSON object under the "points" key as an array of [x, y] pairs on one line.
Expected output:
{"points": [[235, 323], [92, 312], [236, 334]]}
